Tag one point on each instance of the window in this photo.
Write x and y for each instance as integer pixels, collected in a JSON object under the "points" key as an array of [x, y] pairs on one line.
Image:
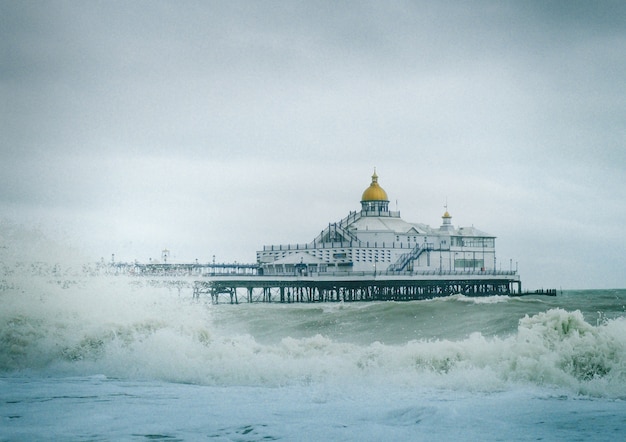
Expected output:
{"points": [[469, 264], [473, 241]]}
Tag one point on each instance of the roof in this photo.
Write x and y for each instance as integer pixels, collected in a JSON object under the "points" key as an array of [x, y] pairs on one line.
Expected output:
{"points": [[374, 192], [386, 224], [472, 231], [400, 227]]}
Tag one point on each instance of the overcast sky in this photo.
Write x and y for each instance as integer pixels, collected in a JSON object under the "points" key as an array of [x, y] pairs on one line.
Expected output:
{"points": [[213, 128]]}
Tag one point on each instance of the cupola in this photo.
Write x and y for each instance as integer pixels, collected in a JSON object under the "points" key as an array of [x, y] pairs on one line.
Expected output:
{"points": [[447, 220], [374, 199]]}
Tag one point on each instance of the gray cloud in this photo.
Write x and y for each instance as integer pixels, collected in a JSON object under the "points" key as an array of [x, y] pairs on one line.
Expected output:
{"points": [[152, 124]]}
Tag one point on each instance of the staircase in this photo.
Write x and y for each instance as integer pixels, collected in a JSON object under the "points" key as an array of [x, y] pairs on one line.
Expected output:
{"points": [[338, 232], [406, 258]]}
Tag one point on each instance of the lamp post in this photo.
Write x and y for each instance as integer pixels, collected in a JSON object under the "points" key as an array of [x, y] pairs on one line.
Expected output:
{"points": [[483, 266]]}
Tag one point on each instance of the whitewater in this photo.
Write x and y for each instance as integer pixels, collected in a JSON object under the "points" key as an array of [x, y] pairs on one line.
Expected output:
{"points": [[85, 356]]}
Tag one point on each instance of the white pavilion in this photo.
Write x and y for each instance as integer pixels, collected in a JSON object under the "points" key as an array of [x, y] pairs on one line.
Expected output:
{"points": [[377, 240]]}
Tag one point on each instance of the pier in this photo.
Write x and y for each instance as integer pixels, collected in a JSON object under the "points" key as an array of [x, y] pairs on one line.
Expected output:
{"points": [[237, 282], [354, 288], [370, 255], [195, 269]]}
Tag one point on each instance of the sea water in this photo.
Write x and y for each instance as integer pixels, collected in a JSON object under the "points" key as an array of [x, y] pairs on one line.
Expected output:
{"points": [[92, 357]]}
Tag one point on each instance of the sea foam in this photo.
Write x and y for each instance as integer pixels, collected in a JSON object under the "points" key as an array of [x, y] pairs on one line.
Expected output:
{"points": [[128, 328]]}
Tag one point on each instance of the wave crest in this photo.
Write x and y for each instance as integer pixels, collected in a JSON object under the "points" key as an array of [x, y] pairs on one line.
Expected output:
{"points": [[103, 326]]}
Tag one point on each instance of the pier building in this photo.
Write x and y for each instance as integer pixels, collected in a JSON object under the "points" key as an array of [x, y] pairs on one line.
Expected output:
{"points": [[372, 254], [377, 240]]}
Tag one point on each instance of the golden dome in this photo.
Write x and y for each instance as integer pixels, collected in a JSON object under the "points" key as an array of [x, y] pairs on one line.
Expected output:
{"points": [[374, 192], [446, 215]]}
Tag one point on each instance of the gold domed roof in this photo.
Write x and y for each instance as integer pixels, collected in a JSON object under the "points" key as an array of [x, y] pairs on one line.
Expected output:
{"points": [[446, 215], [374, 192]]}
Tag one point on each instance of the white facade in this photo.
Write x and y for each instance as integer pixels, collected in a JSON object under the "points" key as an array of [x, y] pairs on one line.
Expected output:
{"points": [[376, 240]]}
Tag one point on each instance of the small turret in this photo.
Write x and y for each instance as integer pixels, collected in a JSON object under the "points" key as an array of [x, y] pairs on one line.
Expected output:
{"points": [[446, 225]]}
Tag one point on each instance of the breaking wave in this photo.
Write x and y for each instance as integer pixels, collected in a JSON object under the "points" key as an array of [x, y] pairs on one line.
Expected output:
{"points": [[132, 329]]}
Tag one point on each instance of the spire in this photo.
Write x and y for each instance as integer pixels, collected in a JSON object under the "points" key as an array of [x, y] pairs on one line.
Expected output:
{"points": [[446, 214], [374, 192], [447, 223]]}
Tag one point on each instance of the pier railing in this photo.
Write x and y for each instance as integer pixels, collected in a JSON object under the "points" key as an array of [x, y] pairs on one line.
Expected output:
{"points": [[177, 269], [252, 270], [340, 274], [345, 244]]}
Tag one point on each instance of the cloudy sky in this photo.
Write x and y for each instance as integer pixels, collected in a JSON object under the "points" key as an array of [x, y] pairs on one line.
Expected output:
{"points": [[213, 128]]}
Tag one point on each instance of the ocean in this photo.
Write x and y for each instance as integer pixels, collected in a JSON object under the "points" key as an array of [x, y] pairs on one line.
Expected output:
{"points": [[92, 357]]}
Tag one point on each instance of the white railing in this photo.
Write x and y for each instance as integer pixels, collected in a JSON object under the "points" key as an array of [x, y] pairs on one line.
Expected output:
{"points": [[269, 272], [345, 244]]}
